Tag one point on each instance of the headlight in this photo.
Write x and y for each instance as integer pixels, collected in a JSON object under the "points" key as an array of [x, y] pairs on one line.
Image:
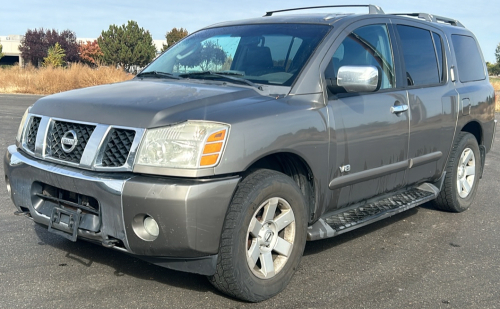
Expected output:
{"points": [[191, 144], [21, 125]]}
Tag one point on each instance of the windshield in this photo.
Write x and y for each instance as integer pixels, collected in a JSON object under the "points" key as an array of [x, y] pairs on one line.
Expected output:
{"points": [[271, 54]]}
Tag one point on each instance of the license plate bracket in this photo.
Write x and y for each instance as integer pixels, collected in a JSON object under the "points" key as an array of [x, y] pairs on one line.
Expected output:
{"points": [[65, 222]]}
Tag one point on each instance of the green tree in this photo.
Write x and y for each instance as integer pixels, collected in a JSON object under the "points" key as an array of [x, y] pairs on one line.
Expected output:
{"points": [[1, 54], [55, 56], [127, 45], [174, 36], [497, 53]]}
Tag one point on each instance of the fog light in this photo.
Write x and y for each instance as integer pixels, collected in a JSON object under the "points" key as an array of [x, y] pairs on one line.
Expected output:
{"points": [[151, 226], [145, 227], [8, 183]]}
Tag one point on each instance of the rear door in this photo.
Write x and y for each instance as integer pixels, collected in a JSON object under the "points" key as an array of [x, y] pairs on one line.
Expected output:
{"points": [[432, 98]]}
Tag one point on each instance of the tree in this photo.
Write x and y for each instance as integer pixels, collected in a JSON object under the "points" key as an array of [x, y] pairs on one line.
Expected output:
{"points": [[497, 53], [55, 56], [90, 53], [35, 45], [174, 36], [1, 54], [127, 45], [67, 41]]}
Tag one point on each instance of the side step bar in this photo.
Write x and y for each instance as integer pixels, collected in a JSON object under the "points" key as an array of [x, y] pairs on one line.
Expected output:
{"points": [[359, 215]]}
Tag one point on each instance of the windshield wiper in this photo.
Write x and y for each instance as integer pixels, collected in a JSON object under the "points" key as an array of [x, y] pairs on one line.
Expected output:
{"points": [[232, 73], [157, 74], [231, 76]]}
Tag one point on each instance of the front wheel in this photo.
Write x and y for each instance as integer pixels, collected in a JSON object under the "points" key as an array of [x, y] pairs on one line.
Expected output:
{"points": [[263, 237], [462, 175]]}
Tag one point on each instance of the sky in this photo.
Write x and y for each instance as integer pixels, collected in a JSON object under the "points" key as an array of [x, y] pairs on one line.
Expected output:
{"points": [[87, 18]]}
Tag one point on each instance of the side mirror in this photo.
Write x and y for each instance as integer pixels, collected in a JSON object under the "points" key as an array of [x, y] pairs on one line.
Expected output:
{"points": [[359, 78]]}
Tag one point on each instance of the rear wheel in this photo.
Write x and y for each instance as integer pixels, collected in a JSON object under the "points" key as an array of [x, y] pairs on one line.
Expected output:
{"points": [[263, 237], [462, 175]]}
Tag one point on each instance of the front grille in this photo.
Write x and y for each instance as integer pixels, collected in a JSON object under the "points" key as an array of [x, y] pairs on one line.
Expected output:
{"points": [[54, 148], [118, 147], [106, 148], [32, 131]]}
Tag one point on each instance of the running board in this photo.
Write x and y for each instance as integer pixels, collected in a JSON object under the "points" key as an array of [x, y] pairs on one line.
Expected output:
{"points": [[370, 211]]}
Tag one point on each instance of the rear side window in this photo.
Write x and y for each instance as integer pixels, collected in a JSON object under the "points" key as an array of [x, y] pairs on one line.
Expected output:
{"points": [[420, 55], [469, 62]]}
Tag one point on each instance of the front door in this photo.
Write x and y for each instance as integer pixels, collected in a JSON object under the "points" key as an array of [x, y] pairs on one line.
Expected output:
{"points": [[371, 136]]}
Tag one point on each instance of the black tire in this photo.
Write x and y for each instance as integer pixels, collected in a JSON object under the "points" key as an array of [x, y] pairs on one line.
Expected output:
{"points": [[451, 198], [234, 275]]}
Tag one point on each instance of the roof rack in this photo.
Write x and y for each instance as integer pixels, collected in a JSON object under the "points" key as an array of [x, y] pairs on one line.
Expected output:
{"points": [[433, 18], [373, 9]]}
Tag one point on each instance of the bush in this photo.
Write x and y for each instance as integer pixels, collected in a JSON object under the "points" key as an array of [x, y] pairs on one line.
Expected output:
{"points": [[493, 69], [55, 56]]}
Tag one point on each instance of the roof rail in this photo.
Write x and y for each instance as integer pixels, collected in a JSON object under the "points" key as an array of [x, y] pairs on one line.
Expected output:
{"points": [[433, 18], [373, 9]]}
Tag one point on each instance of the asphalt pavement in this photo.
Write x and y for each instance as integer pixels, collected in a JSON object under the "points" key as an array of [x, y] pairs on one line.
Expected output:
{"points": [[422, 258]]}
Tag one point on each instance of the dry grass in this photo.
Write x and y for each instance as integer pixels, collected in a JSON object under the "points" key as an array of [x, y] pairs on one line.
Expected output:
{"points": [[495, 81], [53, 80]]}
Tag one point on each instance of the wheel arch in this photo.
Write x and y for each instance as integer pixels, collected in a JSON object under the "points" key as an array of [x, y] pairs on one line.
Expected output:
{"points": [[296, 168], [474, 128]]}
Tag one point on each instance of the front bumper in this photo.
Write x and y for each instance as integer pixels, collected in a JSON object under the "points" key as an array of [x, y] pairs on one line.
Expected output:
{"points": [[190, 212]]}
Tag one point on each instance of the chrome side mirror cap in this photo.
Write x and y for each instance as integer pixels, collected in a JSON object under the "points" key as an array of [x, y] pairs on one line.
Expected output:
{"points": [[359, 78]]}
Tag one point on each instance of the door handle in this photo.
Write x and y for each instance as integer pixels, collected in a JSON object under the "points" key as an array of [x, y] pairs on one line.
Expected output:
{"points": [[398, 109]]}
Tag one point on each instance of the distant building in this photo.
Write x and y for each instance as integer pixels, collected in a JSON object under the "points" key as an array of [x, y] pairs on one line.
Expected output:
{"points": [[12, 55], [159, 45], [10, 49]]}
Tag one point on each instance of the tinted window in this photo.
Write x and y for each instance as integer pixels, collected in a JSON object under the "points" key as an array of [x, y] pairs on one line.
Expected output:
{"points": [[419, 55], [469, 62], [439, 53], [366, 46]]}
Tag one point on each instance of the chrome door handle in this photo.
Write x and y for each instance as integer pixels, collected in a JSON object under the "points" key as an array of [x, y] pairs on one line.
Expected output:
{"points": [[397, 109]]}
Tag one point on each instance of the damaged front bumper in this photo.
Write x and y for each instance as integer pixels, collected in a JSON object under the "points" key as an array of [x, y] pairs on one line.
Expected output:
{"points": [[110, 208]]}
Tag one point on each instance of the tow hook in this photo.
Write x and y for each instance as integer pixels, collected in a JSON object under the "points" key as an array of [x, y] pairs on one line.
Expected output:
{"points": [[109, 243]]}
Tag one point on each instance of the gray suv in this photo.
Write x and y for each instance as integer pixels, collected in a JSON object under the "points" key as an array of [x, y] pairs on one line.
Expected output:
{"points": [[246, 139]]}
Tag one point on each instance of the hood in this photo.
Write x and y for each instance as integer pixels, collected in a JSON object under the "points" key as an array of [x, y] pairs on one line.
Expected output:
{"points": [[146, 103]]}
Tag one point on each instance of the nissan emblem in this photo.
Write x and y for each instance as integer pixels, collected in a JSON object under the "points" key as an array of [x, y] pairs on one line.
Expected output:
{"points": [[69, 141]]}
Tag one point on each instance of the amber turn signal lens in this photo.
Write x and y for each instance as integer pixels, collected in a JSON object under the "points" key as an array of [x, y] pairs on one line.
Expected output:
{"points": [[217, 136], [212, 148], [209, 160]]}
